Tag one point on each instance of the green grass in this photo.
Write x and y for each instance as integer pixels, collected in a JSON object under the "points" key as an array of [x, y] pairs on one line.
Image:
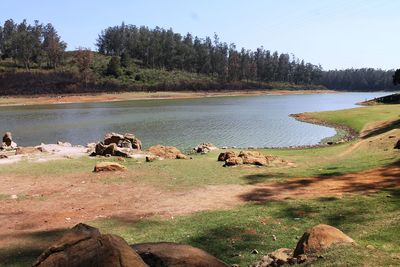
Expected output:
{"points": [[370, 220], [358, 118]]}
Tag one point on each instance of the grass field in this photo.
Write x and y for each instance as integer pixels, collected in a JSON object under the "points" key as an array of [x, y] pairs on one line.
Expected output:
{"points": [[371, 219]]}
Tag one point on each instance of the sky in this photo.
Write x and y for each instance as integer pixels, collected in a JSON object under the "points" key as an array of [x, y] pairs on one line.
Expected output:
{"points": [[337, 34]]}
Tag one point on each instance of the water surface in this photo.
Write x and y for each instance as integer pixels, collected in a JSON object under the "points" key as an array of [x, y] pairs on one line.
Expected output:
{"points": [[259, 121]]}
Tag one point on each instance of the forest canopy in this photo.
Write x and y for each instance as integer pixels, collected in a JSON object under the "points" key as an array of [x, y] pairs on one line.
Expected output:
{"points": [[138, 57]]}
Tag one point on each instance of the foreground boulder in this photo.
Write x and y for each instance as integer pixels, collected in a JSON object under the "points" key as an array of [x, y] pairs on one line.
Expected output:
{"points": [[84, 246], [233, 161], [205, 148], [175, 255], [319, 238], [167, 152], [108, 167]]}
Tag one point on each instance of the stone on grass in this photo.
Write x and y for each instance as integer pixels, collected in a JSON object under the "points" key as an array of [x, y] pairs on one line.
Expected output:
{"points": [[205, 148], [108, 167], [27, 150], [233, 161], [226, 155], [168, 152], [319, 238], [175, 255], [7, 139], [84, 246], [254, 158]]}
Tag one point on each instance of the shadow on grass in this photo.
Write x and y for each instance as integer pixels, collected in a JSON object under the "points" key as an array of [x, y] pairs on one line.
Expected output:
{"points": [[34, 243], [330, 184], [392, 125]]}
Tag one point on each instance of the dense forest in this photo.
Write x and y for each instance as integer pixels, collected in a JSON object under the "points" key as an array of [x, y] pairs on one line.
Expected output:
{"points": [[131, 58]]}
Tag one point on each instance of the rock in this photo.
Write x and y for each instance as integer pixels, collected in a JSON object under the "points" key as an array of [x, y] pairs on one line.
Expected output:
{"points": [[103, 149], [175, 255], [7, 138], [65, 144], [281, 256], [151, 158], [108, 166], [181, 156], [278, 257], [113, 138], [129, 137], [233, 161], [205, 148], [168, 152], [320, 237], [2, 156], [254, 158], [137, 144], [27, 150], [126, 144], [84, 246], [397, 145], [226, 155]]}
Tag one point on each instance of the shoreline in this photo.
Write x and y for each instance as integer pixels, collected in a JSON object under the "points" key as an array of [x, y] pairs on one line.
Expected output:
{"points": [[6, 101], [349, 133]]}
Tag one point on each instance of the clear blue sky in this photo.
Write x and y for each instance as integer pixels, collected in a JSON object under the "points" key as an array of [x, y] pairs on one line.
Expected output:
{"points": [[335, 33]]}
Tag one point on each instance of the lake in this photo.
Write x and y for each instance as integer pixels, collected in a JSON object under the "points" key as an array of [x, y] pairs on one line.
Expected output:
{"points": [[258, 121]]}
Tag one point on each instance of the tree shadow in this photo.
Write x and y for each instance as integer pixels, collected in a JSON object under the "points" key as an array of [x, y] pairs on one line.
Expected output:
{"points": [[33, 244], [330, 184], [385, 128]]}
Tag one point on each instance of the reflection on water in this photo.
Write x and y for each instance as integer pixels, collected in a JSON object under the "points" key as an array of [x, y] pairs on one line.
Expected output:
{"points": [[225, 121]]}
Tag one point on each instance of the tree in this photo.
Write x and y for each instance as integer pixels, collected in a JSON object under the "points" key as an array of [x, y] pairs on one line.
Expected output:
{"points": [[396, 77], [53, 47], [83, 59], [114, 67]]}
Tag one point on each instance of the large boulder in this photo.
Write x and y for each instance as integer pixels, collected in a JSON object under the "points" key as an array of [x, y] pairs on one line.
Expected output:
{"points": [[233, 161], [108, 167], [113, 138], [167, 152], [226, 155], [175, 255], [319, 238], [84, 246], [136, 143], [254, 158], [205, 148]]}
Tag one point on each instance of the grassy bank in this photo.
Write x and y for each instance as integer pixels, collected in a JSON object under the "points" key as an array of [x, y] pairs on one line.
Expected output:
{"points": [[371, 218]]}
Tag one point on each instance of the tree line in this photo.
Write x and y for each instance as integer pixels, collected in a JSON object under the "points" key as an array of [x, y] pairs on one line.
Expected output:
{"points": [[161, 48], [40, 46], [366, 79], [30, 44]]}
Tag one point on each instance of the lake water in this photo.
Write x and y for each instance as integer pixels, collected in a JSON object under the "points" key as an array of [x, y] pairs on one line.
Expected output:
{"points": [[259, 121]]}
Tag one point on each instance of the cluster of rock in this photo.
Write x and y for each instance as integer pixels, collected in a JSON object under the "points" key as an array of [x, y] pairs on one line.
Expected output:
{"points": [[249, 157], [204, 148], [116, 144], [164, 152], [7, 142], [85, 246], [313, 241]]}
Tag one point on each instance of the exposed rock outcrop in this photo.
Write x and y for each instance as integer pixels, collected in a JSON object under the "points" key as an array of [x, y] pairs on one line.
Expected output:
{"points": [[167, 152], [85, 246], [7, 142], [226, 155], [115, 144], [254, 158], [175, 255], [28, 150], [251, 158], [204, 148], [319, 238], [108, 166]]}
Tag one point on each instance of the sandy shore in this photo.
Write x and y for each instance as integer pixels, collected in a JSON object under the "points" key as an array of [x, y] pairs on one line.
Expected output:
{"points": [[113, 97]]}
